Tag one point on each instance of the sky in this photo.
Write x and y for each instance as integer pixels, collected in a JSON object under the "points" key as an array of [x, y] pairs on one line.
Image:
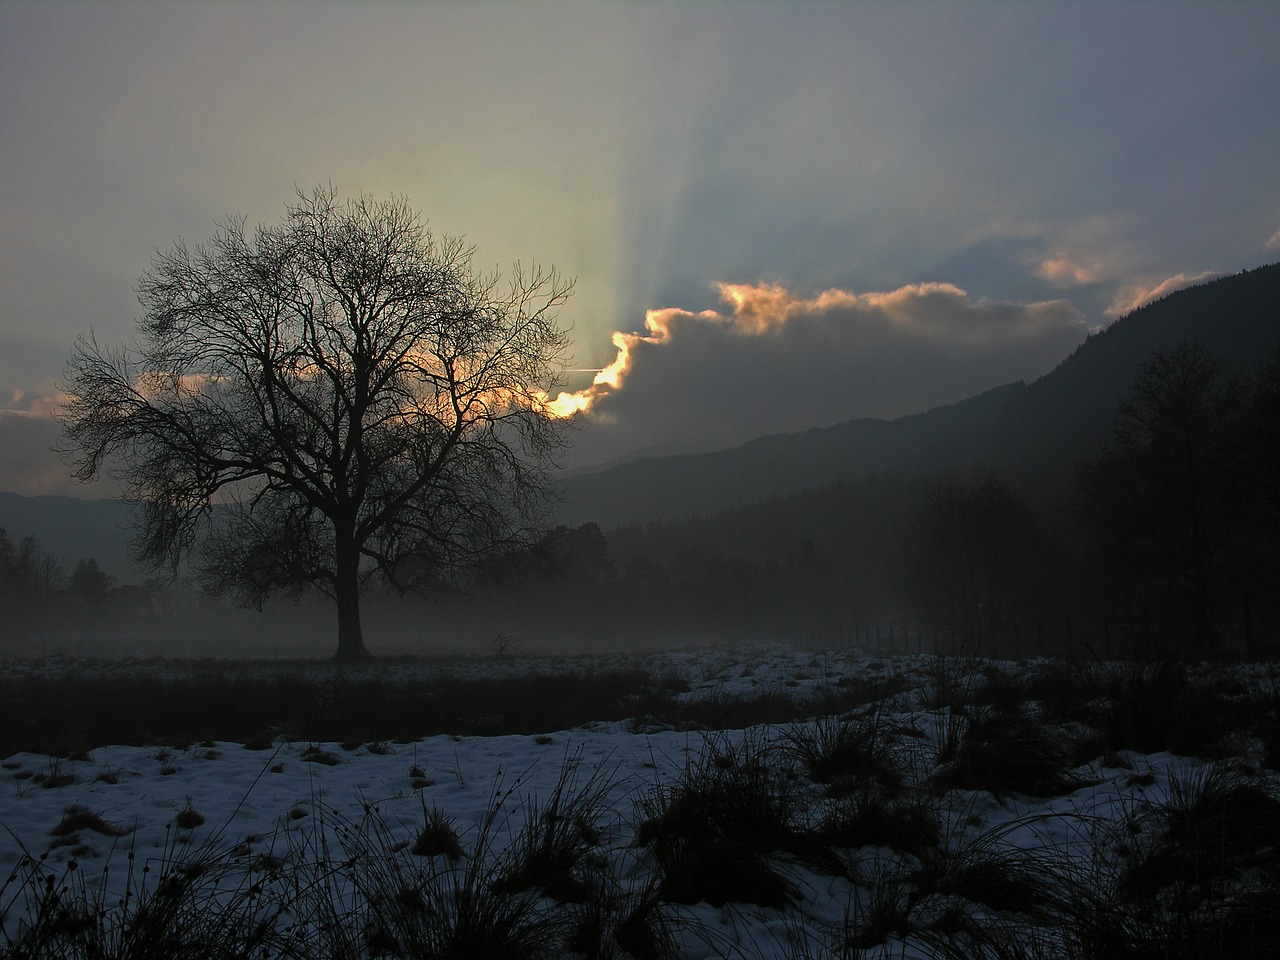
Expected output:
{"points": [[779, 215]]}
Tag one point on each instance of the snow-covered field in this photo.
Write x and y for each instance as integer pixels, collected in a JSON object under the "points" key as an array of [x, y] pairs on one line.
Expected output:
{"points": [[302, 822]]}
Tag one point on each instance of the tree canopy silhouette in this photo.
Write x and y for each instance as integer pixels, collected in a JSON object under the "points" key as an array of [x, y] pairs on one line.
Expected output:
{"points": [[1167, 501], [332, 397]]}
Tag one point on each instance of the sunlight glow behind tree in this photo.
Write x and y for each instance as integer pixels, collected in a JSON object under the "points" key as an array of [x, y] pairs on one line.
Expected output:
{"points": [[337, 396]]}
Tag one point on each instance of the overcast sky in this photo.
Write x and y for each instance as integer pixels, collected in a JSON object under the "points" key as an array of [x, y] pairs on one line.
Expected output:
{"points": [[784, 214]]}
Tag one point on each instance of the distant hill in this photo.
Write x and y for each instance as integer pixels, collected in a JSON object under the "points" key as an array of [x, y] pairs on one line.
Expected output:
{"points": [[1041, 430], [72, 529], [701, 483]]}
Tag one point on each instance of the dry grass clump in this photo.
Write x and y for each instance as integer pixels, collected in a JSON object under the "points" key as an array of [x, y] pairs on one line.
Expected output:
{"points": [[54, 777], [317, 754], [188, 818], [556, 850], [851, 752], [1264, 710], [437, 838], [1194, 874], [197, 904], [714, 835], [77, 818], [1004, 751], [1150, 706], [374, 898], [970, 896]]}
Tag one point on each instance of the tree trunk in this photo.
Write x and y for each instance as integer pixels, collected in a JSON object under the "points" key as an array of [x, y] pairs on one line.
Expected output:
{"points": [[347, 588]]}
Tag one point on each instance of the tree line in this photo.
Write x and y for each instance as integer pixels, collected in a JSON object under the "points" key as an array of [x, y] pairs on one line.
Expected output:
{"points": [[36, 590]]}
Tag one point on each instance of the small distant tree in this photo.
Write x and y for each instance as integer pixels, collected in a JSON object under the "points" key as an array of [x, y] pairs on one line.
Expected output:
{"points": [[30, 579], [36, 573], [1167, 501], [89, 582], [333, 397], [580, 555]]}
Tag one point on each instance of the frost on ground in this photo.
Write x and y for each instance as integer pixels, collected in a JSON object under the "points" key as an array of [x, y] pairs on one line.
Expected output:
{"points": [[963, 808]]}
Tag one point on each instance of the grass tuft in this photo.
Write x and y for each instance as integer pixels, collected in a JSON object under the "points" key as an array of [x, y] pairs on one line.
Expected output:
{"points": [[1003, 751], [555, 851], [77, 818], [713, 835], [317, 754], [437, 838], [188, 818], [850, 753]]}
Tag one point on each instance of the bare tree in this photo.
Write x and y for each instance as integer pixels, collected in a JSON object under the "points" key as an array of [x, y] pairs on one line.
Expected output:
{"points": [[335, 396]]}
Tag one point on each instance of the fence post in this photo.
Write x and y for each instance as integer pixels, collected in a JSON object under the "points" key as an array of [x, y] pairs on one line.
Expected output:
{"points": [[1248, 629]]}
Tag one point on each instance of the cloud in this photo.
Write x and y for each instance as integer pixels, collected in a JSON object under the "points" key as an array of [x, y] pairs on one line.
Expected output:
{"points": [[770, 360], [1140, 291], [1274, 242], [1103, 252], [27, 433], [1086, 251], [1064, 270]]}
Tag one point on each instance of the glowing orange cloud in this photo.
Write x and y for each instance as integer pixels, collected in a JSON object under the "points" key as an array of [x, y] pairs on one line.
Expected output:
{"points": [[758, 309], [930, 314], [1064, 270], [610, 378], [1139, 292]]}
